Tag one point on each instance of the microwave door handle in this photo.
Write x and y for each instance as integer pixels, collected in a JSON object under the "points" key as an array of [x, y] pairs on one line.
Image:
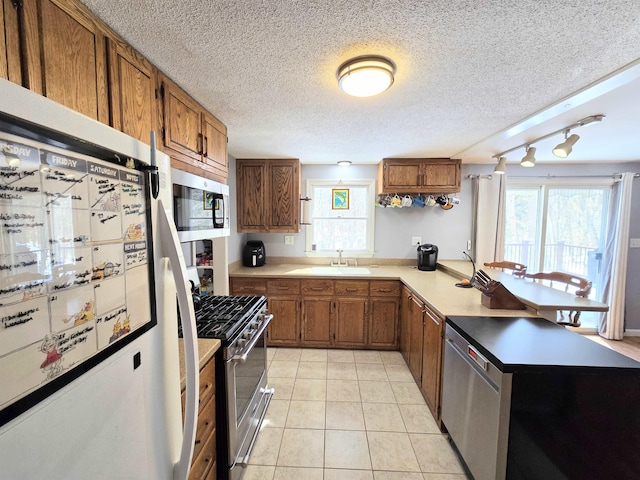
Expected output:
{"points": [[169, 248]]}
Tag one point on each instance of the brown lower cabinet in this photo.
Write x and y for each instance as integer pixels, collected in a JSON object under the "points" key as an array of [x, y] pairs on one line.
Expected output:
{"points": [[328, 313], [203, 466]]}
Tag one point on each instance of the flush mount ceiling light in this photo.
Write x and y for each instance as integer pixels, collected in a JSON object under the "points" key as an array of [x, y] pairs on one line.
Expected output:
{"points": [[501, 168], [562, 150], [366, 76], [344, 163], [529, 160]]}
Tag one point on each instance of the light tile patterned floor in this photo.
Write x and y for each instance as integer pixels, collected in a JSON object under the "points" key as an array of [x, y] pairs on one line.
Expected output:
{"points": [[348, 415]]}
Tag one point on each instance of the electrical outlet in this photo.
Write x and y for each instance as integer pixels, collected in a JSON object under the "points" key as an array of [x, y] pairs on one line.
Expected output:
{"points": [[468, 244], [634, 243], [288, 239], [416, 241]]}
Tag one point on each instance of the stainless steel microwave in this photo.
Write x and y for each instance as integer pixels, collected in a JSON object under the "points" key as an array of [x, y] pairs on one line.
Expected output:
{"points": [[200, 207]]}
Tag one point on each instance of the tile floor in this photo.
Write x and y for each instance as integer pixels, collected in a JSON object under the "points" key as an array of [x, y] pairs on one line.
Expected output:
{"points": [[348, 415]]}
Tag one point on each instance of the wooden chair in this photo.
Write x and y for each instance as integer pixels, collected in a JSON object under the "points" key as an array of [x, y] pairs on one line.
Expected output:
{"points": [[581, 287], [516, 269]]}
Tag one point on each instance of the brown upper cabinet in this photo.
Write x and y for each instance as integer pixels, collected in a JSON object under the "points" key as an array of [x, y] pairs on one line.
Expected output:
{"points": [[268, 195], [10, 60], [419, 175], [64, 55], [132, 81], [195, 139]]}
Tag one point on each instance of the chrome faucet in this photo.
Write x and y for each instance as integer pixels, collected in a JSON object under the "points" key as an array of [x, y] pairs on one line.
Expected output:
{"points": [[339, 262]]}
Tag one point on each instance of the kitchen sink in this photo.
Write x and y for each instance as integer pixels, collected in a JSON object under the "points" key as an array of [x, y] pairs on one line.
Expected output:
{"points": [[340, 270]]}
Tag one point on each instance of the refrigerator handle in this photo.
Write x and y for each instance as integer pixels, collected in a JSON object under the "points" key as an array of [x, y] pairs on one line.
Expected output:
{"points": [[170, 248]]}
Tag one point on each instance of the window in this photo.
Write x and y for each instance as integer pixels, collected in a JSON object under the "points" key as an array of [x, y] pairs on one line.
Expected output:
{"points": [[341, 218], [558, 225]]}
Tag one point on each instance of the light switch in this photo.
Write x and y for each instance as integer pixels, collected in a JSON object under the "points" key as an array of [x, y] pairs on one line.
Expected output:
{"points": [[634, 243], [288, 239]]}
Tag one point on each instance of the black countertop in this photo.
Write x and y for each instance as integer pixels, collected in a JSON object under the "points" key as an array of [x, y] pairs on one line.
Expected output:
{"points": [[520, 343]]}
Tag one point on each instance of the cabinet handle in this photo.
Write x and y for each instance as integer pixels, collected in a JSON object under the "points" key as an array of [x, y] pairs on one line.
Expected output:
{"points": [[351, 289], [317, 289], [200, 142], [205, 149], [385, 290]]}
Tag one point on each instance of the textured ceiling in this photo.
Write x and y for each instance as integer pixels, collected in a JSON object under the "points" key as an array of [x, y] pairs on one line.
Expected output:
{"points": [[466, 70]]}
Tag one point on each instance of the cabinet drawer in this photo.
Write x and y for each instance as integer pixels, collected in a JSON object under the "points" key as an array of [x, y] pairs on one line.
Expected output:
{"points": [[207, 383], [289, 287], [206, 426], [204, 466], [317, 287], [352, 287], [385, 289], [248, 286]]}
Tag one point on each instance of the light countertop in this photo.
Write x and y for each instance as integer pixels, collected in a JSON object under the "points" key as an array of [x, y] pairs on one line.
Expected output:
{"points": [[206, 349], [437, 289]]}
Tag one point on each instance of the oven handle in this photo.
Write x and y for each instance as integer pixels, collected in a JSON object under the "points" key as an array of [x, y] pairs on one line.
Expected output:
{"points": [[242, 358]]}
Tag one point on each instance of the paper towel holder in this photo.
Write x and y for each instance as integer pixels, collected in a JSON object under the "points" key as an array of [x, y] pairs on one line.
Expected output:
{"points": [[303, 212]]}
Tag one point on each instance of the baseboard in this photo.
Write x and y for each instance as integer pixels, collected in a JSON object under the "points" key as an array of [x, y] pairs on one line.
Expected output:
{"points": [[632, 333]]}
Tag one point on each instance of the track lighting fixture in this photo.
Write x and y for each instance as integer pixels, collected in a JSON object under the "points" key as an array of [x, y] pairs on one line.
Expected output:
{"points": [[562, 150], [501, 168], [529, 160]]}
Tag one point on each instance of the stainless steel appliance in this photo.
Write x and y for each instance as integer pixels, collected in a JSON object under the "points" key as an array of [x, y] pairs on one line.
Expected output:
{"points": [[200, 207], [427, 257], [476, 398], [241, 374], [253, 254]]}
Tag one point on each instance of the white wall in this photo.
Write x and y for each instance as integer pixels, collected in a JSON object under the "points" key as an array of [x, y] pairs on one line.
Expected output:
{"points": [[448, 229]]}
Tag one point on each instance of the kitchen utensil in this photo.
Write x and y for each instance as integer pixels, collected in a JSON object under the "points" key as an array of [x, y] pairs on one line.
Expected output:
{"points": [[418, 201], [407, 201]]}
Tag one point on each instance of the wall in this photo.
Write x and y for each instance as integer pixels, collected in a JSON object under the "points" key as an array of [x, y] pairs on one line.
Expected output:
{"points": [[448, 229]]}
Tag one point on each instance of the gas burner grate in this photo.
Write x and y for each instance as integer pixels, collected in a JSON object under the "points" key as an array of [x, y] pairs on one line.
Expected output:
{"points": [[221, 316]]}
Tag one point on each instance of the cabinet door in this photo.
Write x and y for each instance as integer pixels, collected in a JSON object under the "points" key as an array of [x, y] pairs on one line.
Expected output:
{"points": [[401, 176], [10, 61], [431, 361], [251, 196], [415, 341], [283, 195], [284, 328], [442, 176], [73, 59], [350, 322], [215, 144], [405, 325], [181, 127], [383, 322], [132, 81], [316, 321]]}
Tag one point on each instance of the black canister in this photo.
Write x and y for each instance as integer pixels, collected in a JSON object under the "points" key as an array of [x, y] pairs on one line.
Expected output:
{"points": [[427, 257]]}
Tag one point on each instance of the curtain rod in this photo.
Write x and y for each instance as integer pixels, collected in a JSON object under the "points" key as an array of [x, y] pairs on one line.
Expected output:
{"points": [[471, 176]]}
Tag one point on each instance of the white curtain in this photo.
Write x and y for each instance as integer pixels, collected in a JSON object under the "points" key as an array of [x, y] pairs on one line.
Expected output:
{"points": [[488, 218], [615, 259]]}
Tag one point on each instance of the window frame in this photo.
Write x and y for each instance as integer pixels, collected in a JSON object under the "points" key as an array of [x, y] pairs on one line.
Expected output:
{"points": [[310, 184]]}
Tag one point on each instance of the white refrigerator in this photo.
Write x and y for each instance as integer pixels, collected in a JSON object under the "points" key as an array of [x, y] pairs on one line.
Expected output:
{"points": [[90, 266]]}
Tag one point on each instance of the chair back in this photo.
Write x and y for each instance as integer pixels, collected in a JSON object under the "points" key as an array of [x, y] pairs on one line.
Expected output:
{"points": [[516, 269], [582, 285]]}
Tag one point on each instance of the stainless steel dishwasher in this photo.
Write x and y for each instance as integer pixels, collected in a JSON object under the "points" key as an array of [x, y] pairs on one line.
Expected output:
{"points": [[476, 399]]}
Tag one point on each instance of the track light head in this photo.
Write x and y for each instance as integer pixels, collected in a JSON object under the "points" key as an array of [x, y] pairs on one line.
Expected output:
{"points": [[501, 168], [563, 149], [529, 160]]}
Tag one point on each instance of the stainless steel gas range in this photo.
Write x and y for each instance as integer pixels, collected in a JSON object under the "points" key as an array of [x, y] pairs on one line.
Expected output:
{"points": [[241, 374]]}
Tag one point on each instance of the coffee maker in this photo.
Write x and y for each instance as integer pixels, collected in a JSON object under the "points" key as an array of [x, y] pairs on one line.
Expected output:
{"points": [[427, 257]]}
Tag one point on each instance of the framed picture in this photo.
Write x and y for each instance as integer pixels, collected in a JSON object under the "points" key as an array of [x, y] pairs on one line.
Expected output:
{"points": [[340, 198], [208, 200]]}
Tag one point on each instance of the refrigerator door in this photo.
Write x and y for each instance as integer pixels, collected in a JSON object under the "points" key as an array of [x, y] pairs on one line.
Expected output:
{"points": [[122, 418]]}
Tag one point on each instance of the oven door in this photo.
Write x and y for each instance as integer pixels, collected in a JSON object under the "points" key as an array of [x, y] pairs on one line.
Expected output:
{"points": [[247, 397]]}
